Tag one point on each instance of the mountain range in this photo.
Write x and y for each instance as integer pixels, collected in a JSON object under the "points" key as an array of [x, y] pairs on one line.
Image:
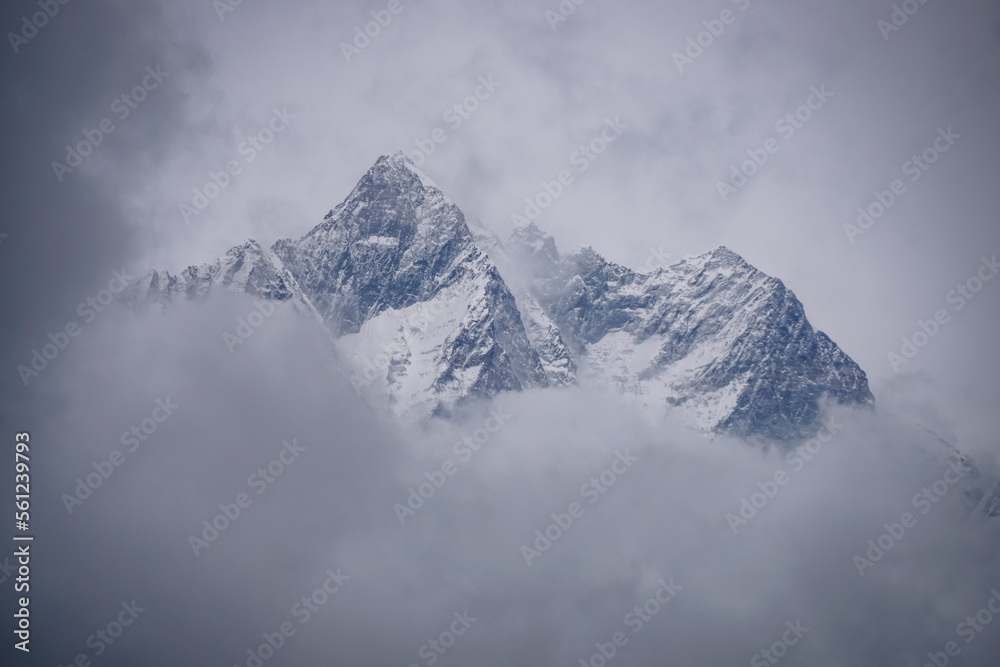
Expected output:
{"points": [[427, 312]]}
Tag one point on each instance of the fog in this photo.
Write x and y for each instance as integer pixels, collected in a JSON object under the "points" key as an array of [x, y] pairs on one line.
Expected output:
{"points": [[667, 512], [347, 472]]}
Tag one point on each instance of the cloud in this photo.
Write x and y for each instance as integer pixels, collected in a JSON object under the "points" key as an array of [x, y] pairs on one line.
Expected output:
{"points": [[661, 516], [334, 505]]}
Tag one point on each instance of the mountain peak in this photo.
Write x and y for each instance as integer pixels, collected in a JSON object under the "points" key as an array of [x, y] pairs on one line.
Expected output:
{"points": [[724, 251], [534, 249], [397, 166], [723, 256], [249, 246], [393, 202], [530, 241]]}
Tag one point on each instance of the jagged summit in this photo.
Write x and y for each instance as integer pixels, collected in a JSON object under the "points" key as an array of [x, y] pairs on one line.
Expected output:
{"points": [[428, 313], [385, 201]]}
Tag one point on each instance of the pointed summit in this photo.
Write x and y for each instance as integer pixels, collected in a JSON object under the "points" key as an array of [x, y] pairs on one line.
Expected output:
{"points": [[393, 242], [387, 203], [396, 168], [723, 256]]}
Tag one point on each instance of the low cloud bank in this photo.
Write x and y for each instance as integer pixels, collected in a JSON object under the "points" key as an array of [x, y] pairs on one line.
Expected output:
{"points": [[258, 512]]}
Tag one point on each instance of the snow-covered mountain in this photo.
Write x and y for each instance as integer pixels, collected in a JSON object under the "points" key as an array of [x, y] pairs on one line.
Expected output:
{"points": [[428, 311], [711, 334], [247, 268]]}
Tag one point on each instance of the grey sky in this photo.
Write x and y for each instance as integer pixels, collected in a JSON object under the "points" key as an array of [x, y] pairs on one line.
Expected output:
{"points": [[654, 187]]}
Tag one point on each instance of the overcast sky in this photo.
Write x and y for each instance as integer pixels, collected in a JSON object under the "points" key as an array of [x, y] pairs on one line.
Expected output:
{"points": [[222, 75]]}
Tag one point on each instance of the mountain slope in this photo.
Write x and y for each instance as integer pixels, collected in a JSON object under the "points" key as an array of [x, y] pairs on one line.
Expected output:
{"points": [[728, 344]]}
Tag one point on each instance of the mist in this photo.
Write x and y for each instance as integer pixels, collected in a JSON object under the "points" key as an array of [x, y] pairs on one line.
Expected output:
{"points": [[193, 499]]}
